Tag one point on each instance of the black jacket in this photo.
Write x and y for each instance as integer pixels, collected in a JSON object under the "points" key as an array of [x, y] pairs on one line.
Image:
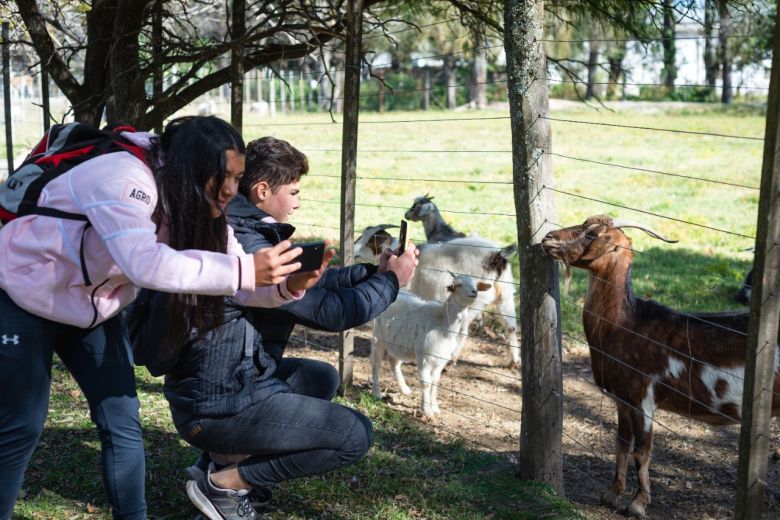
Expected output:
{"points": [[233, 365]]}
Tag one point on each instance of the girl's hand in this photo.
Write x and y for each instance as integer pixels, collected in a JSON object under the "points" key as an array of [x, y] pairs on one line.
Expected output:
{"points": [[306, 280], [272, 263]]}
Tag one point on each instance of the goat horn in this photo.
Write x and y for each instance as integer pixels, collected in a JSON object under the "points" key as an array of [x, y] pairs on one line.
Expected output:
{"points": [[629, 224]]}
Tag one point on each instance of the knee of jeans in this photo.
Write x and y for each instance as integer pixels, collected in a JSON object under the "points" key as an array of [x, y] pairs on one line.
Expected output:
{"points": [[332, 380], [360, 437]]}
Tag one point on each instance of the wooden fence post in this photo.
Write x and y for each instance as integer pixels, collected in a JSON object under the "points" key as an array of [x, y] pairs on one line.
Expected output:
{"points": [[349, 143], [45, 105], [9, 143], [272, 95], [764, 313], [542, 417]]}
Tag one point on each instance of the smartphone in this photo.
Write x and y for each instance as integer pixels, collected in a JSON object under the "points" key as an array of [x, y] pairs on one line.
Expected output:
{"points": [[311, 258], [402, 238]]}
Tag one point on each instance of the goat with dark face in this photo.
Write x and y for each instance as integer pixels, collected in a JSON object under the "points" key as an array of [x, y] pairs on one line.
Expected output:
{"points": [[647, 356], [436, 230]]}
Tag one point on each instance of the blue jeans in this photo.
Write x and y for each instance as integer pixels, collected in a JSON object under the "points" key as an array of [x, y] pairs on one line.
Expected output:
{"points": [[288, 435], [101, 363]]}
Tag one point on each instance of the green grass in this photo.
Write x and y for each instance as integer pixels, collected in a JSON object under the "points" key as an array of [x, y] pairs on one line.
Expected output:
{"points": [[408, 473], [701, 272]]}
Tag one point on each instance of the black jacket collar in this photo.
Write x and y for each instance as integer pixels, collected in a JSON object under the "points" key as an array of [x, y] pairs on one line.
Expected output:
{"points": [[242, 213]]}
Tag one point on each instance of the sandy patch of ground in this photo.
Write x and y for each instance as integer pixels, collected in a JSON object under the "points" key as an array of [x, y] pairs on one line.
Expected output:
{"points": [[693, 473]]}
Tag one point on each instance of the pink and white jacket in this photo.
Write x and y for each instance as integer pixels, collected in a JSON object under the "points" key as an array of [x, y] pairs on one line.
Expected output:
{"points": [[40, 267]]}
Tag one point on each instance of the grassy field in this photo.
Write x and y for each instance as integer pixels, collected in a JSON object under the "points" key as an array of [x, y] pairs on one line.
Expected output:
{"points": [[700, 272]]}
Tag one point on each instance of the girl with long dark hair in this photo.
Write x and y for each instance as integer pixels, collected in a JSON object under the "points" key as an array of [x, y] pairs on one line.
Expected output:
{"points": [[160, 227]]}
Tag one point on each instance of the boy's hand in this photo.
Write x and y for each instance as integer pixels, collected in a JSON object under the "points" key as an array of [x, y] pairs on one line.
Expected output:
{"points": [[270, 268], [306, 280], [403, 266]]}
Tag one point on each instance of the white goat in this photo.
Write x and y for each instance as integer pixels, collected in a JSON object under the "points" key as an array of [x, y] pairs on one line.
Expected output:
{"points": [[412, 329], [482, 259], [474, 256]]}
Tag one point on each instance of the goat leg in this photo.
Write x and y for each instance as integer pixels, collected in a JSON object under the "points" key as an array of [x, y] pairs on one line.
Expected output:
{"points": [[643, 445], [399, 375], [377, 358], [426, 383], [623, 441], [437, 370]]}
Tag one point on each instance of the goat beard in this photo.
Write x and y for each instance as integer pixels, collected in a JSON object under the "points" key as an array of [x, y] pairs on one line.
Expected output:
{"points": [[568, 272]]}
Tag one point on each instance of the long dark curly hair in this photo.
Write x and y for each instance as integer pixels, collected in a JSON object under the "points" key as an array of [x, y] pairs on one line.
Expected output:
{"points": [[191, 152]]}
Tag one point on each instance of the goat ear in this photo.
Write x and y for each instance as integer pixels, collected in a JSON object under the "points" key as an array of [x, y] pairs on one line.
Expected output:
{"points": [[483, 286]]}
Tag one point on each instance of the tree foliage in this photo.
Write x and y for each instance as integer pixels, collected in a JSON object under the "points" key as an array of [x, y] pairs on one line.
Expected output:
{"points": [[107, 56]]}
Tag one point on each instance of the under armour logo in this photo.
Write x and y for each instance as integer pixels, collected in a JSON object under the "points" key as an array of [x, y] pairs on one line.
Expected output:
{"points": [[6, 339]]}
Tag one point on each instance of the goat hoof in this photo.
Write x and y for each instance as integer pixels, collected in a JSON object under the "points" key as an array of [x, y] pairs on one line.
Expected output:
{"points": [[406, 390], [635, 510], [610, 499]]}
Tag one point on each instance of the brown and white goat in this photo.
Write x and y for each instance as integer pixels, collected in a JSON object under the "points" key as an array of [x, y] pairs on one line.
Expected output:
{"points": [[647, 356]]}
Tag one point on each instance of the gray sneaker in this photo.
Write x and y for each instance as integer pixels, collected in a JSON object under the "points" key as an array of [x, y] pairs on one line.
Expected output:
{"points": [[259, 497], [220, 504]]}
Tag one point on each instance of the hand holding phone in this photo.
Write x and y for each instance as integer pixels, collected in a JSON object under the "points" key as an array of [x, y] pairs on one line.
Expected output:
{"points": [[311, 257], [402, 239]]}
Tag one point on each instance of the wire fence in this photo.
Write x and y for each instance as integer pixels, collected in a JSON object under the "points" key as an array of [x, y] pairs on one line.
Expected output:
{"points": [[718, 449], [481, 394]]}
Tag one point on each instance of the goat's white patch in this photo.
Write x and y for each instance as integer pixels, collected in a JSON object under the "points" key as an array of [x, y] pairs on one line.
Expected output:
{"points": [[674, 369], [649, 407], [734, 380]]}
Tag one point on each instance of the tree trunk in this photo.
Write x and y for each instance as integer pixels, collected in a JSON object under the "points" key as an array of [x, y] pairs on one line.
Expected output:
{"points": [[615, 59], [238, 15], [710, 59], [593, 60], [451, 79], [157, 53], [542, 418], [478, 90], [426, 88], [128, 100], [724, 51], [669, 46]]}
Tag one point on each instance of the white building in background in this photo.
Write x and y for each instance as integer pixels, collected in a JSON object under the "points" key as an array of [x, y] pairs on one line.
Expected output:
{"points": [[689, 44]]}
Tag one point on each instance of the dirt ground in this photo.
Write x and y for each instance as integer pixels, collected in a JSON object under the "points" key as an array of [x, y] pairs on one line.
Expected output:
{"points": [[694, 469]]}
